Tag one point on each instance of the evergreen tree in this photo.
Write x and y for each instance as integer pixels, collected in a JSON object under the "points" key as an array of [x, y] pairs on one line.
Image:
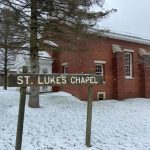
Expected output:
{"points": [[65, 20], [11, 37]]}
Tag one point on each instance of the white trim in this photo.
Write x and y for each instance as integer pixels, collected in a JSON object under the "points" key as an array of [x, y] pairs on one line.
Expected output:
{"points": [[131, 66], [64, 64], [128, 38], [102, 69], [129, 50], [65, 69], [104, 94], [120, 36], [129, 78], [99, 62]]}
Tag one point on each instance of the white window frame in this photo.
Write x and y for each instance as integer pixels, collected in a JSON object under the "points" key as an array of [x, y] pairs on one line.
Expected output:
{"points": [[64, 66], [129, 50], [103, 93], [130, 65], [100, 62], [64, 69], [102, 69]]}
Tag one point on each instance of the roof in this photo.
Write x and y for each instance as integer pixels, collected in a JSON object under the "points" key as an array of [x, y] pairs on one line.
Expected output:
{"points": [[120, 36], [41, 54], [50, 43], [129, 38], [44, 55]]}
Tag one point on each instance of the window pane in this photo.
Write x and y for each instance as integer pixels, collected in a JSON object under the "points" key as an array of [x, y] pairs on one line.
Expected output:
{"points": [[99, 69], [65, 69], [128, 64]]}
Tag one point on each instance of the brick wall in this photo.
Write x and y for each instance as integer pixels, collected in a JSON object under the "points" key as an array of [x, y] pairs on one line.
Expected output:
{"points": [[115, 86]]}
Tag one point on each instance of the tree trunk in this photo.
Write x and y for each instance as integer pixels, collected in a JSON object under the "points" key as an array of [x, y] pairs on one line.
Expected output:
{"points": [[34, 61], [5, 70], [6, 53]]}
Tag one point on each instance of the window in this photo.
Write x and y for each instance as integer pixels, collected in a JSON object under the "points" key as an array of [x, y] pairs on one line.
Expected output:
{"points": [[101, 95], [128, 65], [99, 69], [65, 69]]}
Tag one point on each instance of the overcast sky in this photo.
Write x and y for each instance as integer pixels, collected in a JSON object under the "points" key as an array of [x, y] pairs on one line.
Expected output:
{"points": [[132, 17]]}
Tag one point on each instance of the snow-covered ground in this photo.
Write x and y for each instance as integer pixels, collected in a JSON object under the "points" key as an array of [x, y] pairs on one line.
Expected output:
{"points": [[60, 123]]}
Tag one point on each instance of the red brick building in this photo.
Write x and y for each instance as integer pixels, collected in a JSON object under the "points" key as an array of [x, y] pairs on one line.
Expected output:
{"points": [[117, 58]]}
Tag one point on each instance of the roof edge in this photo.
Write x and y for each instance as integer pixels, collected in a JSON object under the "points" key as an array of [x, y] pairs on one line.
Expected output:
{"points": [[123, 37], [120, 36]]}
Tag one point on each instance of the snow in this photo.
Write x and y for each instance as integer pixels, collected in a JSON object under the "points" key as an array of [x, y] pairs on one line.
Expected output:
{"points": [[61, 93], [60, 123], [41, 54], [51, 43], [27, 45], [44, 54]]}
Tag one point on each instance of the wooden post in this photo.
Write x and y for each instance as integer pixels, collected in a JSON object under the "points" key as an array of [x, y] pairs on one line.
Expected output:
{"points": [[89, 116], [21, 114]]}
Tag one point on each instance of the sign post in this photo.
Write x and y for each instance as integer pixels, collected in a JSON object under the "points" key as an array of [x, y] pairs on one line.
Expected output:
{"points": [[24, 80], [89, 116], [21, 114]]}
